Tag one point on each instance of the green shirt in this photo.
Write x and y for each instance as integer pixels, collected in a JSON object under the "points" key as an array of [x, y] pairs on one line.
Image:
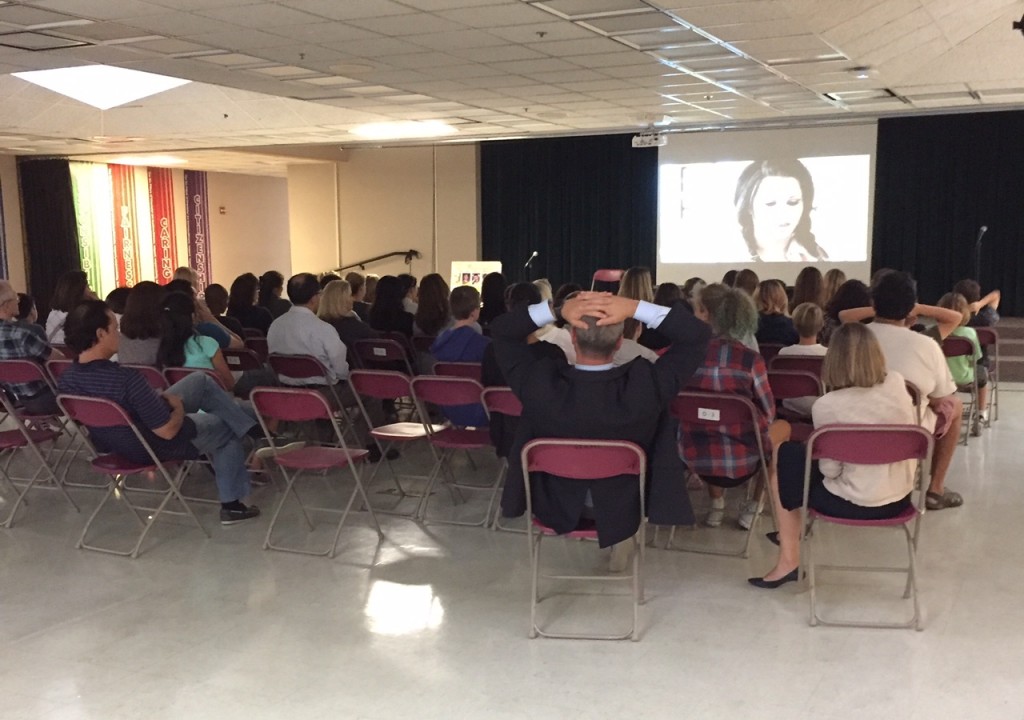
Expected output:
{"points": [[962, 368]]}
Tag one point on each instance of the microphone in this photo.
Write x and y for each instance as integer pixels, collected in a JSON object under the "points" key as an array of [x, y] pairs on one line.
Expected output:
{"points": [[530, 260], [981, 233]]}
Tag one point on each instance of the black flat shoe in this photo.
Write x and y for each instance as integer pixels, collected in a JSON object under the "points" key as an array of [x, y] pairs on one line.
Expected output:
{"points": [[772, 584], [773, 537]]}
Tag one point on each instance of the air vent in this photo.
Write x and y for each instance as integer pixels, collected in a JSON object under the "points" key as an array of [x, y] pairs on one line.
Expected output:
{"points": [[38, 41]]}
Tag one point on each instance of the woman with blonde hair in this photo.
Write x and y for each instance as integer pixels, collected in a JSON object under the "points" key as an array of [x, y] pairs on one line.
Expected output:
{"points": [[774, 326], [637, 284], [336, 310], [834, 279], [861, 391]]}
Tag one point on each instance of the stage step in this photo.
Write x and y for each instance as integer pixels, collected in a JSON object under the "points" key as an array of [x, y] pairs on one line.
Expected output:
{"points": [[1011, 349]]}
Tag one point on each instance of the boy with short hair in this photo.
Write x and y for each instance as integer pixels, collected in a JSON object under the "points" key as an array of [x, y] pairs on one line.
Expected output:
{"points": [[808, 320], [462, 342]]}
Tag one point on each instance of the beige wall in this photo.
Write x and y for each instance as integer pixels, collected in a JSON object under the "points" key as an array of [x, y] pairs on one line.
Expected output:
{"points": [[252, 234], [313, 217], [13, 228]]}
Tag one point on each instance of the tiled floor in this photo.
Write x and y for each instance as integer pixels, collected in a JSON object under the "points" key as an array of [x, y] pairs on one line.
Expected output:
{"points": [[432, 623]]}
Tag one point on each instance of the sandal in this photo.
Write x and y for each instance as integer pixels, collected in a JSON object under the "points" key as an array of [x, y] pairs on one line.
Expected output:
{"points": [[947, 499]]}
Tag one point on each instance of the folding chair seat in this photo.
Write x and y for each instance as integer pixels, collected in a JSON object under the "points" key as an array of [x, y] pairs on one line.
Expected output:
{"points": [[868, 445], [769, 351], [177, 374], [581, 459], [27, 439], [423, 343], [90, 412], [952, 347], [242, 360], [606, 275], [447, 392], [731, 415], [308, 405], [501, 400], [790, 385], [988, 338], [805, 363], [471, 370], [388, 385]]}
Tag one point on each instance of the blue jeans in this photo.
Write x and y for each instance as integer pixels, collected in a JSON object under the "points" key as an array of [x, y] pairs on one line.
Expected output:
{"points": [[220, 427]]}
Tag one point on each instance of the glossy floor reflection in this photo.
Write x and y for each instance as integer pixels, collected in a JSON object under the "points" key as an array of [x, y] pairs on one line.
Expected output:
{"points": [[432, 621]]}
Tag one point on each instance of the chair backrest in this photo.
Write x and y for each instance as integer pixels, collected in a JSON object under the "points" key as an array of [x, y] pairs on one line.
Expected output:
{"points": [[153, 376], [94, 412], [606, 275], [382, 353], [583, 459], [177, 374], [423, 343], [297, 367], [23, 371], [252, 333], [259, 346], [472, 370], [64, 350], [696, 407], [290, 404], [787, 384], [957, 347], [769, 351], [57, 367], [502, 400], [871, 444], [446, 391], [987, 336], [807, 363], [382, 384], [242, 360]]}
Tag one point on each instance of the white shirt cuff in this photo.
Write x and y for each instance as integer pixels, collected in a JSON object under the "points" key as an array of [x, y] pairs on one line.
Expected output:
{"points": [[650, 314], [541, 314]]}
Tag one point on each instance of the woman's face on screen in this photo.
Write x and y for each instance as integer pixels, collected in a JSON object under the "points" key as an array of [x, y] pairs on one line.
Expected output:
{"points": [[778, 205]]}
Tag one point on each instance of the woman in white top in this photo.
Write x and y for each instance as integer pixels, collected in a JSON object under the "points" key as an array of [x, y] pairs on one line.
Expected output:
{"points": [[72, 288], [861, 392]]}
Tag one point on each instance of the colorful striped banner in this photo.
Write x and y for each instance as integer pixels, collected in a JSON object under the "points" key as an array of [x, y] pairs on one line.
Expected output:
{"points": [[161, 200], [82, 190], [198, 222], [126, 238]]}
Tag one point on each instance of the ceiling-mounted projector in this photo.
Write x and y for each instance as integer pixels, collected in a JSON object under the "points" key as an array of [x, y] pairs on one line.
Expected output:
{"points": [[647, 140]]}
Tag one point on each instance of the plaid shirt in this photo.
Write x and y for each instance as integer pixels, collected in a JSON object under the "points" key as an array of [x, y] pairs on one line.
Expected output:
{"points": [[729, 367], [19, 343]]}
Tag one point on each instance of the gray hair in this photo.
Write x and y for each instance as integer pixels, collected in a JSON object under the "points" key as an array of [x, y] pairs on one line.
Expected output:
{"points": [[598, 341]]}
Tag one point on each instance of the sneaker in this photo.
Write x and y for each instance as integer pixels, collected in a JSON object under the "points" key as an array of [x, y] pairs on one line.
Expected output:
{"points": [[230, 516], [746, 518], [265, 453], [716, 513], [976, 427]]}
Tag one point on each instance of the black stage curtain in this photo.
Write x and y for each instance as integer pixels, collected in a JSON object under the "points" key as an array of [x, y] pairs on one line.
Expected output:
{"points": [[582, 203], [938, 180], [51, 231]]}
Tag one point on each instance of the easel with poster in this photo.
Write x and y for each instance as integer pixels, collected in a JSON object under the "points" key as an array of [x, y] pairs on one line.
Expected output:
{"points": [[472, 273]]}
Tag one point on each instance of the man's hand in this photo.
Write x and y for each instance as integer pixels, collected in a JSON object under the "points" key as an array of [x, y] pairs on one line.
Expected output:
{"points": [[607, 308], [174, 401]]}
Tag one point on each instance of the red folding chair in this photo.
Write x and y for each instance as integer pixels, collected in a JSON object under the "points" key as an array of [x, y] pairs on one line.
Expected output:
{"points": [[953, 347], [258, 345], [606, 275], [307, 368], [388, 385], [795, 385], [731, 415], [471, 370], [27, 439], [308, 405], [242, 360], [804, 363], [252, 333], [90, 412], [503, 401], [152, 375], [423, 343], [451, 392], [64, 350], [769, 351], [57, 366], [868, 445], [988, 338], [382, 354], [177, 374], [580, 459]]}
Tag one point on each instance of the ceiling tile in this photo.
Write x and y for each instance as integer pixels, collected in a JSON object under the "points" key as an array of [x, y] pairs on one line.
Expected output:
{"points": [[101, 9], [407, 24], [455, 40], [542, 32], [592, 7], [348, 9], [180, 23], [264, 15], [25, 16], [492, 16], [498, 54]]}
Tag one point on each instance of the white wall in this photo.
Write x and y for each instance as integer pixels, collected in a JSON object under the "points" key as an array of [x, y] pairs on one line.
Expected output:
{"points": [[252, 233], [313, 216], [13, 228]]}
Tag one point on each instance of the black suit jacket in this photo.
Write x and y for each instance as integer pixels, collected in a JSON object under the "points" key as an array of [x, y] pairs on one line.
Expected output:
{"points": [[629, 402]]}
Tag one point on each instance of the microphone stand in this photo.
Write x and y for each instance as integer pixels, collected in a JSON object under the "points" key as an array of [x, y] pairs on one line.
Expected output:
{"points": [[977, 253]]}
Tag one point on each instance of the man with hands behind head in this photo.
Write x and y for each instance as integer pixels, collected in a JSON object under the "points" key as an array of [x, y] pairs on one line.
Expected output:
{"points": [[594, 399]]}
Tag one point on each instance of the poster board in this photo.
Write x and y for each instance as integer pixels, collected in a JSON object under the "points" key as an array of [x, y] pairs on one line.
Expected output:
{"points": [[472, 273]]}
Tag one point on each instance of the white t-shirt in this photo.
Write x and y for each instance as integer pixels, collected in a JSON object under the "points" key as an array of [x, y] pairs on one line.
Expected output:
{"points": [[817, 350], [919, 359], [631, 349], [885, 404]]}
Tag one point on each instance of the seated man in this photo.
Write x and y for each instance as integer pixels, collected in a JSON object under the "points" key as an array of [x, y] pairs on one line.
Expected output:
{"points": [[595, 399], [919, 359], [22, 342], [462, 342], [193, 416]]}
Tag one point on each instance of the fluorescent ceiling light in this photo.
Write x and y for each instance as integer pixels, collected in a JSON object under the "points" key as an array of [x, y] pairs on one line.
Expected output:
{"points": [[101, 86], [148, 160], [404, 129]]}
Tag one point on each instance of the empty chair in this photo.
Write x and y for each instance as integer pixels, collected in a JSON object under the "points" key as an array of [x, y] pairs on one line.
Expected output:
{"points": [[242, 360], [382, 354], [868, 445], [580, 459], [606, 275], [258, 344], [501, 401], [988, 338], [769, 351]]}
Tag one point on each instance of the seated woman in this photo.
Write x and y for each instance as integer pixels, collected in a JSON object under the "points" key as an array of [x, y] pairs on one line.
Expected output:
{"points": [[721, 458], [388, 313], [242, 304], [336, 309], [140, 325], [182, 346], [774, 326], [861, 391]]}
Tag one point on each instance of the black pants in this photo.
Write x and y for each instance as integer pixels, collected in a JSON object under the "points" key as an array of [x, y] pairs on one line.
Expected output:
{"points": [[792, 456]]}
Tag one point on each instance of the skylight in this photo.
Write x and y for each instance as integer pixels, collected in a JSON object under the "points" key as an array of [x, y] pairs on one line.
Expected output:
{"points": [[404, 130], [101, 86]]}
